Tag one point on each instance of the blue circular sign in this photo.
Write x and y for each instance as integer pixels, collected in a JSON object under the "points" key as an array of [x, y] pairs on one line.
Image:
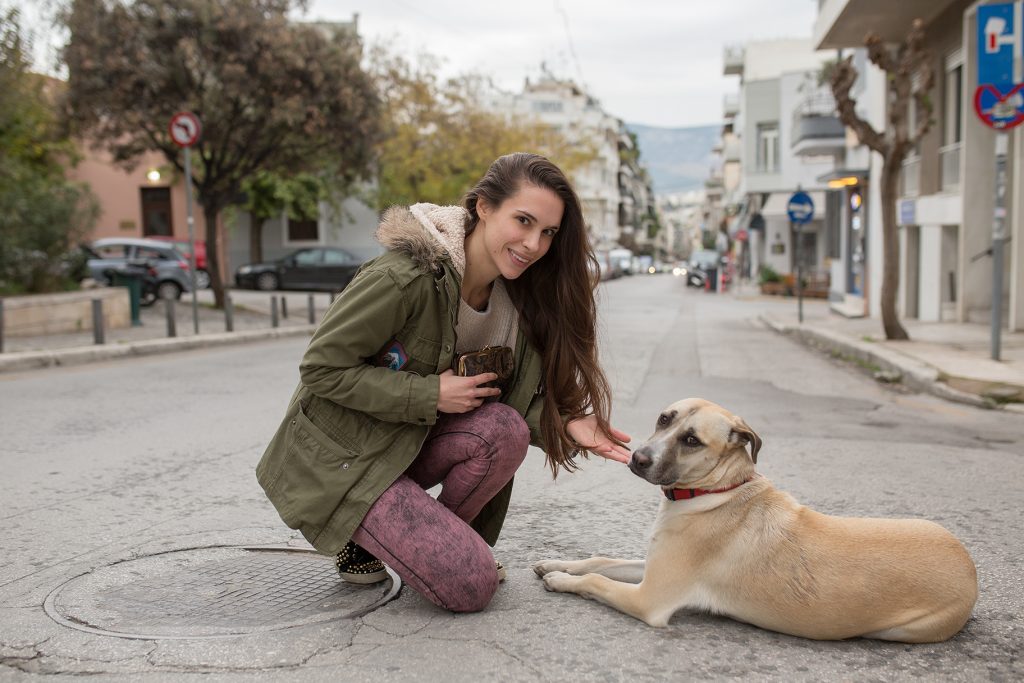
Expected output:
{"points": [[800, 207]]}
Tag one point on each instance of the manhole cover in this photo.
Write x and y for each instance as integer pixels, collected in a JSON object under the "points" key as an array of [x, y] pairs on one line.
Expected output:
{"points": [[213, 593]]}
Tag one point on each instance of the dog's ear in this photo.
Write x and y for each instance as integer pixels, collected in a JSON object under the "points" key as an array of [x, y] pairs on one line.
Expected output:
{"points": [[741, 430]]}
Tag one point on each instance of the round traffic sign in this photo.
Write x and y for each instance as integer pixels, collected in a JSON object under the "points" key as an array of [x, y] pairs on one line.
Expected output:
{"points": [[184, 129], [800, 207]]}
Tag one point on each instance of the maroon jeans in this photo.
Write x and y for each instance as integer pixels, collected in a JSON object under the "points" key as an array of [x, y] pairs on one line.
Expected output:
{"points": [[429, 542]]}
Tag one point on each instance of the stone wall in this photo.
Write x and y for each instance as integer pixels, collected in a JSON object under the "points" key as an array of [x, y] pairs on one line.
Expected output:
{"points": [[38, 314]]}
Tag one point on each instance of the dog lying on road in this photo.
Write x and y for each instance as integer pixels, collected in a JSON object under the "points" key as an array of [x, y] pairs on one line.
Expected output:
{"points": [[726, 541]]}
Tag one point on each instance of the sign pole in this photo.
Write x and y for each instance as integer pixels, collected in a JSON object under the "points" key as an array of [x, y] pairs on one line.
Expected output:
{"points": [[998, 240], [799, 273], [191, 239]]}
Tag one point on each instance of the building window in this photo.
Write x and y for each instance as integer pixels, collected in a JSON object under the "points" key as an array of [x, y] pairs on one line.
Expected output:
{"points": [[768, 147], [547, 106], [156, 211], [302, 230]]}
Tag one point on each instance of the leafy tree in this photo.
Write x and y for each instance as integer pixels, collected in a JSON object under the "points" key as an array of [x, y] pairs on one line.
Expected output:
{"points": [[909, 78], [271, 94], [440, 136], [269, 195], [42, 215]]}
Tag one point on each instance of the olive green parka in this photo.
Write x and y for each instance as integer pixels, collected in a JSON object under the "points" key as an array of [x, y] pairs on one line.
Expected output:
{"points": [[369, 387]]}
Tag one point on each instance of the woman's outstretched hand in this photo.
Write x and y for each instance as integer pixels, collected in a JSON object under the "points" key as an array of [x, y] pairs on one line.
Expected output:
{"points": [[463, 394], [586, 433]]}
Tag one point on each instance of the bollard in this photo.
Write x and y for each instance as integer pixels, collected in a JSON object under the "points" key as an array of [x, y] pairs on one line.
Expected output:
{"points": [[312, 311], [98, 335], [333, 294], [284, 307], [229, 313], [273, 312], [172, 323], [1, 325]]}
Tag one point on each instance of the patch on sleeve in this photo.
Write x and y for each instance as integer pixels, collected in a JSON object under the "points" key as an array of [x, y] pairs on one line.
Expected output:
{"points": [[393, 356]]}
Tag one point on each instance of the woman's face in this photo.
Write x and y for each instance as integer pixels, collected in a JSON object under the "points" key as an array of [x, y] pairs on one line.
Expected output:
{"points": [[519, 231]]}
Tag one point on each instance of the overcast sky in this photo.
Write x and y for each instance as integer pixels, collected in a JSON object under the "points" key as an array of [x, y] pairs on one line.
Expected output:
{"points": [[657, 62]]}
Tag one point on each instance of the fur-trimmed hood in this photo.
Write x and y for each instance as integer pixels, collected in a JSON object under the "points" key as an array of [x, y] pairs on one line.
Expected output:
{"points": [[427, 233]]}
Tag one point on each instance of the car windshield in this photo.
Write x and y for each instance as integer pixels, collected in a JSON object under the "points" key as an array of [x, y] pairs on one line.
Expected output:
{"points": [[704, 257]]}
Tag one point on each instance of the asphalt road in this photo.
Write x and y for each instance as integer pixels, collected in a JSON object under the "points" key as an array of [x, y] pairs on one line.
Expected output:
{"points": [[108, 462]]}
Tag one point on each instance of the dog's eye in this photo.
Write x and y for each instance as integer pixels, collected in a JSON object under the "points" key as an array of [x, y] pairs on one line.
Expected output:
{"points": [[691, 440], [663, 420]]}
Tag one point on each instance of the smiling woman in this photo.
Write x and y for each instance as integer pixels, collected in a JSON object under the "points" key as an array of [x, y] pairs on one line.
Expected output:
{"points": [[380, 416]]}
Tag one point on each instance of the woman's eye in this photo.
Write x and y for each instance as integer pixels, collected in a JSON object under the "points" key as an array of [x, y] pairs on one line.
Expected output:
{"points": [[523, 220], [550, 232]]}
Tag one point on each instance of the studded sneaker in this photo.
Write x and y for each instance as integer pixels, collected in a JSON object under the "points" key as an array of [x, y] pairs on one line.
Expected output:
{"points": [[502, 574], [355, 565]]}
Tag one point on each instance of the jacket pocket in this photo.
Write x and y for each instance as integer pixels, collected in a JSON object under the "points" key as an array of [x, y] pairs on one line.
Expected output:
{"points": [[316, 474]]}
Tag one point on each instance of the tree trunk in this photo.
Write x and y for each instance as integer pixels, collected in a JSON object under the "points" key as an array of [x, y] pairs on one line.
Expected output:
{"points": [[213, 238], [890, 252], [255, 238]]}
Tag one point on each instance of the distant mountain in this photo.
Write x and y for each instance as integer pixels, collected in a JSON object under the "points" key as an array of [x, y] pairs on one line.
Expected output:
{"points": [[678, 158]]}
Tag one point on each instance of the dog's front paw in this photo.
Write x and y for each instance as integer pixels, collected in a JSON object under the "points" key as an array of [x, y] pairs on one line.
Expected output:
{"points": [[547, 566], [559, 582]]}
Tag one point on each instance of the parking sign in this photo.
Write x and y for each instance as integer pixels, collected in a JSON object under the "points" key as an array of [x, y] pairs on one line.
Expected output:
{"points": [[999, 95]]}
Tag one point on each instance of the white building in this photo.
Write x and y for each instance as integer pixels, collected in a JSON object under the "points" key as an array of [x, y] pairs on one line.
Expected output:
{"points": [[948, 183]]}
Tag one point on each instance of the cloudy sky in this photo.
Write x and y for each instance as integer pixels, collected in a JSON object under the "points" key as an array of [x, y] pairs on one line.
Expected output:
{"points": [[656, 62]]}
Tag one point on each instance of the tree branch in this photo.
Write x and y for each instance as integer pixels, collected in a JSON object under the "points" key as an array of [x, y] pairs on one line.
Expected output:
{"points": [[843, 77]]}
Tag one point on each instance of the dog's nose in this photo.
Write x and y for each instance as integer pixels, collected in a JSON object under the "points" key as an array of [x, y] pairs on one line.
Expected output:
{"points": [[641, 459]]}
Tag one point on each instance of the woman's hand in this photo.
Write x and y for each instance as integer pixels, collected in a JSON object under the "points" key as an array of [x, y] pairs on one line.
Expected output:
{"points": [[463, 394], [586, 433]]}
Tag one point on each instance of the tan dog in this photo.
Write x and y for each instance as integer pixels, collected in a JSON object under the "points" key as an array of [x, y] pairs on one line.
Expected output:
{"points": [[727, 542]]}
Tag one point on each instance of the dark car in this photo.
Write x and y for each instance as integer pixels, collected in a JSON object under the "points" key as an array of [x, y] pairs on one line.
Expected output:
{"points": [[326, 268]]}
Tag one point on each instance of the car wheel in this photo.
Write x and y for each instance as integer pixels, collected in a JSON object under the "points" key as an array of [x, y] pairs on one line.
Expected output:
{"points": [[266, 282], [168, 290], [202, 279]]}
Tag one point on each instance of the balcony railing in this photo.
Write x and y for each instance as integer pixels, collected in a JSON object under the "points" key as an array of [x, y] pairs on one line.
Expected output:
{"points": [[816, 126], [949, 161], [910, 178], [730, 105], [732, 58]]}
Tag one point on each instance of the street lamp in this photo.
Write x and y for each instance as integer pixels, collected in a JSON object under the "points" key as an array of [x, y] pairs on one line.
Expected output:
{"points": [[153, 175]]}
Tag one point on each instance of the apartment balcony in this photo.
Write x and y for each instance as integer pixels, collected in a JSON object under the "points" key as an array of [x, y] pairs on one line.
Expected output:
{"points": [[910, 178], [949, 164], [844, 23], [730, 105], [713, 188], [732, 60], [817, 129]]}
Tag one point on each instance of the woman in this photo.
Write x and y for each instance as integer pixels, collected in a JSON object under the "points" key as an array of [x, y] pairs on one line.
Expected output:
{"points": [[379, 416]]}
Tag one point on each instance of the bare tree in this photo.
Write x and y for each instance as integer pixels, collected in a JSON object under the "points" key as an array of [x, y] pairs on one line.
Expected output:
{"points": [[910, 75], [272, 94]]}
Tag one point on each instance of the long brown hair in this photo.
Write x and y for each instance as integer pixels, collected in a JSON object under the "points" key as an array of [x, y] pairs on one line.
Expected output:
{"points": [[555, 301]]}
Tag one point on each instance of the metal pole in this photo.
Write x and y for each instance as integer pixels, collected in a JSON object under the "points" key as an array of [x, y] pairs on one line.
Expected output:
{"points": [[1, 325], [312, 313], [273, 312], [998, 238], [284, 306], [172, 323], [192, 239], [229, 313], [98, 335], [333, 294], [798, 255]]}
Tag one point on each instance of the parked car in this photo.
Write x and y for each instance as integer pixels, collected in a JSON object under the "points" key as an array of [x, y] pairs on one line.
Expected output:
{"points": [[182, 245], [326, 268], [171, 276]]}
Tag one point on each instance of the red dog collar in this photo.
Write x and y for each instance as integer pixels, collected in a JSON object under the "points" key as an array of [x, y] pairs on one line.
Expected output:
{"points": [[687, 494]]}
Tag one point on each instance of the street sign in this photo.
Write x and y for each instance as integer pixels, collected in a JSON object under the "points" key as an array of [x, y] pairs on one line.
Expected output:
{"points": [[184, 129], [800, 208], [999, 95]]}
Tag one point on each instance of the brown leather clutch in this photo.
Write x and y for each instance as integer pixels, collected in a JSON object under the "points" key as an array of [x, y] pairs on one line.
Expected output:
{"points": [[496, 359]]}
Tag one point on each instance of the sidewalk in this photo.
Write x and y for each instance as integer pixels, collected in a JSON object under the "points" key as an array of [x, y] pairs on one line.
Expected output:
{"points": [[252, 322], [950, 360]]}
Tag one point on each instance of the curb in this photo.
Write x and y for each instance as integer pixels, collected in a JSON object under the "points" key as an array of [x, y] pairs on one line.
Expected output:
{"points": [[915, 374], [33, 360]]}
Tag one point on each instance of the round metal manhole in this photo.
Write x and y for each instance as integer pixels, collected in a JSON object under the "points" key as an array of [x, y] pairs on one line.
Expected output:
{"points": [[220, 592]]}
